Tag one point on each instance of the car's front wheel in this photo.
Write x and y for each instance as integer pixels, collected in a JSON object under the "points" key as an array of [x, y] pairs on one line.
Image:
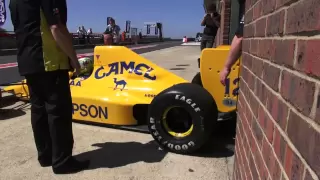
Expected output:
{"points": [[182, 117]]}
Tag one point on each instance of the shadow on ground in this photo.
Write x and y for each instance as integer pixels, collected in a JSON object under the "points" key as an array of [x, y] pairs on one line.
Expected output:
{"points": [[223, 141], [14, 110], [6, 114], [117, 154], [7, 101]]}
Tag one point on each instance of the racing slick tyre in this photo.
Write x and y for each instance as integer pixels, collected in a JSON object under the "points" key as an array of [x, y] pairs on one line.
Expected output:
{"points": [[197, 79], [181, 118], [198, 62]]}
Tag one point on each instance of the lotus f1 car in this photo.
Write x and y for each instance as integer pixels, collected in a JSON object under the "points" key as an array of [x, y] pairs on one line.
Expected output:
{"points": [[126, 89]]}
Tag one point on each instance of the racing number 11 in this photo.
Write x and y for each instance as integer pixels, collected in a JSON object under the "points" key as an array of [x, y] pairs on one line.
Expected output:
{"points": [[227, 87]]}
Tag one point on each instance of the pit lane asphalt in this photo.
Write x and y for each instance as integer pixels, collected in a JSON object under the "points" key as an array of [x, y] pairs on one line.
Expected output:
{"points": [[10, 75]]}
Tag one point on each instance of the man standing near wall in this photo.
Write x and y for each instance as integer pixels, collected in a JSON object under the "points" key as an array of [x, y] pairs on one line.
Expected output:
{"points": [[211, 21], [44, 50], [113, 30], [89, 34]]}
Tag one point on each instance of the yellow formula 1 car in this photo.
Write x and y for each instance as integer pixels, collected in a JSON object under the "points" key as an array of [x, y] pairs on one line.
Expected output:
{"points": [[126, 89]]}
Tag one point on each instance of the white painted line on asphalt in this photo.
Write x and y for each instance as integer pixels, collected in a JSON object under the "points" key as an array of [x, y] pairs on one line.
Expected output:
{"points": [[191, 44], [8, 65]]}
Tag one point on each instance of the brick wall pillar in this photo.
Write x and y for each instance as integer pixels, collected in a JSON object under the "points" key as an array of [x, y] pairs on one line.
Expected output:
{"points": [[223, 32], [278, 128]]}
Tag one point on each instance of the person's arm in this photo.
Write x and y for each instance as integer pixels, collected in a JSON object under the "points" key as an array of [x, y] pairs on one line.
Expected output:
{"points": [[56, 18], [236, 47], [235, 52], [203, 22], [66, 31], [233, 56]]}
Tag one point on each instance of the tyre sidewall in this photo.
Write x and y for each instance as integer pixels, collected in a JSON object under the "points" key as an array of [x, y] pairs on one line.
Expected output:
{"points": [[197, 80], [198, 135]]}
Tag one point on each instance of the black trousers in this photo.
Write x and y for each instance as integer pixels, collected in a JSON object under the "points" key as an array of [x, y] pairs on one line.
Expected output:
{"points": [[51, 115], [89, 38], [206, 44]]}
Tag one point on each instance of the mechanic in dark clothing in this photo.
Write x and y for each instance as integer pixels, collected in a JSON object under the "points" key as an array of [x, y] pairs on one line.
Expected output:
{"points": [[236, 45], [45, 53], [211, 21]]}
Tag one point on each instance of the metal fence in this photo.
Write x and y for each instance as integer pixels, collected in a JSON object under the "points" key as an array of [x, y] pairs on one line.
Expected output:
{"points": [[8, 42], [7, 39]]}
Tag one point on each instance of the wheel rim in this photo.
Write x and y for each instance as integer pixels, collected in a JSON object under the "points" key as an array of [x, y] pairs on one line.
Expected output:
{"points": [[177, 122]]}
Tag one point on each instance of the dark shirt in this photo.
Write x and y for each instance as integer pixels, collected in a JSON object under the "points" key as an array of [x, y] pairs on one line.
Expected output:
{"points": [[112, 29], [37, 49], [239, 31], [211, 30]]}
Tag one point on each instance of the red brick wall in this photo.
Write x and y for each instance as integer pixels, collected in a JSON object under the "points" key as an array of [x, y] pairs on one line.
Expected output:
{"points": [[223, 32], [278, 129], [226, 19]]}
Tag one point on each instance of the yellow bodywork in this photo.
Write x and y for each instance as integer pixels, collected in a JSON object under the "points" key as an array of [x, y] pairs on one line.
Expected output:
{"points": [[103, 99], [20, 90], [212, 62], [122, 79]]}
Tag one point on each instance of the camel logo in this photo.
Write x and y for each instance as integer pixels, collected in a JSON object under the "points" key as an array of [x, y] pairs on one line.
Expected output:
{"points": [[117, 68], [117, 83]]}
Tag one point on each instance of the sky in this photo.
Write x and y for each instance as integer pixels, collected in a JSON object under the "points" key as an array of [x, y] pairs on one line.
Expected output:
{"points": [[179, 17]]}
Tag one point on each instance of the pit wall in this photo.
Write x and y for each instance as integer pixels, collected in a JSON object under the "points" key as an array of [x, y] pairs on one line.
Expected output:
{"points": [[278, 127], [8, 42]]}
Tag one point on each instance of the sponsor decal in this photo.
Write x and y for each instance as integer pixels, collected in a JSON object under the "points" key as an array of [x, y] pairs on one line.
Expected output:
{"points": [[73, 83], [117, 83], [150, 95], [116, 68], [91, 111], [77, 81], [228, 101], [189, 101], [170, 145]]}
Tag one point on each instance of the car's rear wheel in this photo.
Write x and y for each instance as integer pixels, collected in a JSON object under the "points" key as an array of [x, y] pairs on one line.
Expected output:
{"points": [[182, 117], [197, 79]]}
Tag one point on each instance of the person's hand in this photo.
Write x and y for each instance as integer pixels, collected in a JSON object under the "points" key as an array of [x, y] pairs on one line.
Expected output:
{"points": [[76, 66], [223, 75], [77, 71]]}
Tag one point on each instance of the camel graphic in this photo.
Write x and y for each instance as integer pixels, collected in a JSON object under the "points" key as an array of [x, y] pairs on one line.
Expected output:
{"points": [[120, 82]]}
